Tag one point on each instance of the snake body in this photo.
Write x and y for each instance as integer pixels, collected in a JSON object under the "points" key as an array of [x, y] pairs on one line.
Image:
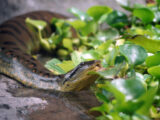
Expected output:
{"points": [[17, 43]]}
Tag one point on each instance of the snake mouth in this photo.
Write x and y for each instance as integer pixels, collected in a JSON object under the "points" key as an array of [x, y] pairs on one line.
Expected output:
{"points": [[80, 77]]}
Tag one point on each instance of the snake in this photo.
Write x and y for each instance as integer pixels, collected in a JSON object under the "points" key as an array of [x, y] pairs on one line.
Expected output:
{"points": [[18, 43]]}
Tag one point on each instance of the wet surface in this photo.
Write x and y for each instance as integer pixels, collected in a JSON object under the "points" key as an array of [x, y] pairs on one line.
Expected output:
{"points": [[20, 103]]}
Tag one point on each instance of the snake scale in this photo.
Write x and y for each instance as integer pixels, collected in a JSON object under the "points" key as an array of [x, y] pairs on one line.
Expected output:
{"points": [[17, 43]]}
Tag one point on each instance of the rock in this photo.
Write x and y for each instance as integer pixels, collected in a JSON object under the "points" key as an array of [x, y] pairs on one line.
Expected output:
{"points": [[20, 103]]}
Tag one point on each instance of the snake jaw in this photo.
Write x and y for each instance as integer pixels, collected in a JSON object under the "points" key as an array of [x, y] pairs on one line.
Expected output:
{"points": [[79, 78]]}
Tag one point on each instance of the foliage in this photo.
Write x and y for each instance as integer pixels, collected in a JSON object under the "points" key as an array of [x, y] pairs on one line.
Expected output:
{"points": [[127, 47]]}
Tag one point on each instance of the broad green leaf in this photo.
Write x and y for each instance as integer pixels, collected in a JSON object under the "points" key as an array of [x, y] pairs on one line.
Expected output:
{"points": [[148, 98], [108, 86], [103, 19], [76, 57], [103, 95], [134, 54], [91, 27], [129, 107], [97, 11], [95, 43], [155, 10], [149, 31], [157, 16], [52, 65], [115, 116], [145, 14], [90, 55], [104, 118], [62, 27], [81, 15], [77, 24], [158, 1], [140, 77], [153, 60], [111, 73], [39, 24], [137, 5], [140, 117], [102, 108], [66, 65], [67, 43], [117, 19], [109, 34], [111, 56], [128, 87], [149, 44], [154, 71], [103, 47]]}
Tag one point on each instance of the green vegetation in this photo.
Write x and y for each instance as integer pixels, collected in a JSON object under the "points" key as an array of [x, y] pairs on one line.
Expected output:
{"points": [[128, 48]]}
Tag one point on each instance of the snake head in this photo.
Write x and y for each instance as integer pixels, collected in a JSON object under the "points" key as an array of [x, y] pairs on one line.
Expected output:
{"points": [[79, 78]]}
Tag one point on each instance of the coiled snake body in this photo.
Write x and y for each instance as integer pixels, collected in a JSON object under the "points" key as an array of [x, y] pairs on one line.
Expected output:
{"points": [[17, 43]]}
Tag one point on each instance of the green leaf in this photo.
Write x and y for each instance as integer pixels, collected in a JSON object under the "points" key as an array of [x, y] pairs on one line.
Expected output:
{"points": [[109, 34], [111, 73], [117, 19], [149, 44], [148, 98], [128, 87], [77, 24], [145, 14], [154, 71], [153, 60], [129, 107], [158, 1], [140, 117], [67, 43], [76, 57], [39, 24], [62, 27], [52, 65], [95, 43], [90, 55], [134, 54], [103, 95], [102, 108], [120, 97], [97, 11], [103, 47], [66, 65], [91, 27], [111, 56], [81, 15]]}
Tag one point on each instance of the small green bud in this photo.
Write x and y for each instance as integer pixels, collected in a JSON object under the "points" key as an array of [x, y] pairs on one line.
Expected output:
{"points": [[62, 52]]}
